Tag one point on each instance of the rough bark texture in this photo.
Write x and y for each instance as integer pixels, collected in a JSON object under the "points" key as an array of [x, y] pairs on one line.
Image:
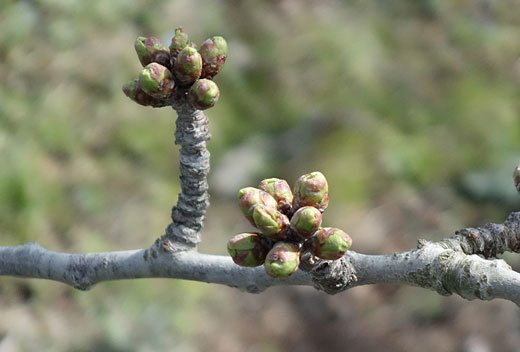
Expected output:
{"points": [[188, 215], [489, 240]]}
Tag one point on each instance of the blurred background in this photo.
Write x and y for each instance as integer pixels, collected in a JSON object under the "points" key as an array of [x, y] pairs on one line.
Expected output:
{"points": [[411, 110]]}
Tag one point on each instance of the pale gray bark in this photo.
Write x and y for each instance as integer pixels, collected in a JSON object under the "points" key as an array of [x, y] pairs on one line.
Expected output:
{"points": [[434, 265], [191, 134], [82, 271]]}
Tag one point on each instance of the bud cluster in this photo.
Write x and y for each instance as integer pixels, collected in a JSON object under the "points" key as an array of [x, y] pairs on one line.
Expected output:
{"points": [[288, 223], [179, 68]]}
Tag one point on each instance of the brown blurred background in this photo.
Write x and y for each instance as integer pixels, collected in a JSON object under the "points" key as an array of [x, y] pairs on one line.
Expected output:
{"points": [[411, 110]]}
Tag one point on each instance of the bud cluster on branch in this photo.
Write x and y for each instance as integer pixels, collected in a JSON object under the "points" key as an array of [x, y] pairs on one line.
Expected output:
{"points": [[177, 69], [288, 223]]}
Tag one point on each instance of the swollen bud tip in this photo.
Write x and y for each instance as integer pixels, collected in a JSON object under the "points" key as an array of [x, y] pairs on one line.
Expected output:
{"points": [[270, 222], [188, 66], [203, 94], [306, 221], [330, 243], [311, 189], [152, 50], [156, 80], [282, 260], [250, 197], [179, 41], [281, 192], [214, 52], [248, 249]]}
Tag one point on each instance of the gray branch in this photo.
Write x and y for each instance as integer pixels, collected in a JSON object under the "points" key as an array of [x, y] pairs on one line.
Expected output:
{"points": [[162, 260], [448, 266], [191, 134]]}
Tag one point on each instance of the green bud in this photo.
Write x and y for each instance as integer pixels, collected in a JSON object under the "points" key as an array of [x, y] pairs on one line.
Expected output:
{"points": [[203, 94], [179, 41], [516, 177], [282, 260], [270, 222], [188, 66], [330, 243], [152, 50], [311, 189], [248, 249], [214, 53], [250, 197], [134, 92], [306, 221], [156, 80], [280, 190]]}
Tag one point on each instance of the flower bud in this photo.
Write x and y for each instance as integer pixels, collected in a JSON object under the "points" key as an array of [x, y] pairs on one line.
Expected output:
{"points": [[250, 197], [282, 260], [179, 41], [516, 177], [203, 94], [270, 222], [152, 50], [156, 80], [188, 66], [280, 190], [330, 243], [248, 249], [134, 92], [214, 53], [311, 189], [306, 221]]}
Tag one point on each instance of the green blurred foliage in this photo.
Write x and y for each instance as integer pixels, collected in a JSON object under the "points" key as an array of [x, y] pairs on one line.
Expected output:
{"points": [[381, 96]]}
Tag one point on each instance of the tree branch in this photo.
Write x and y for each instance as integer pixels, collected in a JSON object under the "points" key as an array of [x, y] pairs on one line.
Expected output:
{"points": [[191, 134], [442, 270], [82, 271], [441, 266]]}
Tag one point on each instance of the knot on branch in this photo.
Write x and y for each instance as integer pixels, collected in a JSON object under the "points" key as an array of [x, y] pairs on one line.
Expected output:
{"points": [[330, 276]]}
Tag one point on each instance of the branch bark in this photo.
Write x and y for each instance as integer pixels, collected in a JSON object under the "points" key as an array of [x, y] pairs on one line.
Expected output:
{"points": [[191, 134], [162, 260], [448, 266]]}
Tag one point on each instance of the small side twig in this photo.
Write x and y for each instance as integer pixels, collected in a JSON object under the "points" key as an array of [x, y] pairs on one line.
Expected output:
{"points": [[191, 134]]}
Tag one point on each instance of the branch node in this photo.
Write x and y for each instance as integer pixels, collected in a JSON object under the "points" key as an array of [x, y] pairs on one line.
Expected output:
{"points": [[79, 270], [330, 276]]}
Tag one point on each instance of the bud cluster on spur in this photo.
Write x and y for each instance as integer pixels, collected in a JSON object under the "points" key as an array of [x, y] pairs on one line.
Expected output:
{"points": [[288, 224], [179, 68]]}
